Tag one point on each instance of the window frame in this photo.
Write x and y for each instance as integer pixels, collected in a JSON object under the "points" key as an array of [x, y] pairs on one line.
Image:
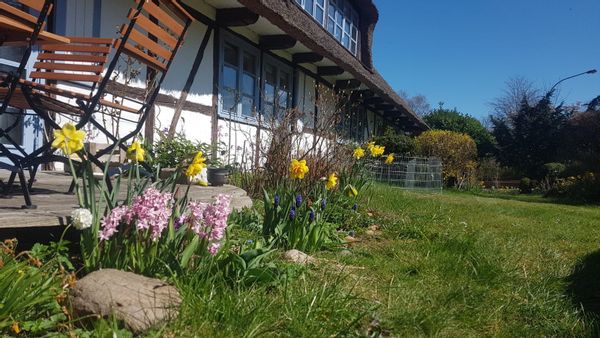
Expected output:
{"points": [[243, 49], [279, 68], [348, 14]]}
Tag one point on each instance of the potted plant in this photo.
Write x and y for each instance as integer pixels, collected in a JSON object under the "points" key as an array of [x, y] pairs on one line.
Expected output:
{"points": [[170, 154]]}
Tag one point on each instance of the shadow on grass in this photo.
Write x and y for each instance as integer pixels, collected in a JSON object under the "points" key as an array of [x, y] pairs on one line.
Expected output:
{"points": [[533, 198], [583, 287]]}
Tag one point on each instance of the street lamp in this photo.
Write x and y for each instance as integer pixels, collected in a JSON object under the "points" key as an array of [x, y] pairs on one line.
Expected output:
{"points": [[591, 71]]}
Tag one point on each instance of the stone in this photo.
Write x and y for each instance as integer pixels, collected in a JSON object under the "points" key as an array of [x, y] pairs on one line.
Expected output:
{"points": [[140, 302], [298, 257], [350, 239], [345, 253]]}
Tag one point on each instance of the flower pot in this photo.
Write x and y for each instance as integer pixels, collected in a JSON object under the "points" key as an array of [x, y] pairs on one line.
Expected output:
{"points": [[217, 176], [165, 173]]}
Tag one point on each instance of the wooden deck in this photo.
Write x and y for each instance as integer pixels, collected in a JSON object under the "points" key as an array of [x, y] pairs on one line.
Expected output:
{"points": [[49, 193]]}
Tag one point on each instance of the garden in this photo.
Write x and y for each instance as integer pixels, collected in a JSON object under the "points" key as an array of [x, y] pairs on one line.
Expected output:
{"points": [[324, 251]]}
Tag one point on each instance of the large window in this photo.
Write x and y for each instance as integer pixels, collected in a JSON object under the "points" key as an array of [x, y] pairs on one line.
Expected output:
{"points": [[277, 89], [239, 80], [339, 18]]}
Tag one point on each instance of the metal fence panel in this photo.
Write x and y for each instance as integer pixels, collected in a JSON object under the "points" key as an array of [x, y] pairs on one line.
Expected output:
{"points": [[408, 172]]}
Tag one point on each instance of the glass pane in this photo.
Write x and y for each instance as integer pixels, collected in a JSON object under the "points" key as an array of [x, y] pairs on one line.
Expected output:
{"points": [[338, 33], [249, 63], [308, 5], [247, 106], [6, 120], [267, 111], [330, 26], [282, 99], [248, 84], [230, 76], [319, 15], [353, 47], [230, 54], [269, 93], [229, 101], [284, 80], [346, 41], [270, 74]]}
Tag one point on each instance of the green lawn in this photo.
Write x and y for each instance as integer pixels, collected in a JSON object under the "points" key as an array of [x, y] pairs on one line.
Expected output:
{"points": [[450, 264]]}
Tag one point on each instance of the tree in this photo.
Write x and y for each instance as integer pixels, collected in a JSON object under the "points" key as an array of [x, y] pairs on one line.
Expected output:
{"points": [[518, 89], [417, 103], [581, 139], [453, 120], [530, 137], [457, 151]]}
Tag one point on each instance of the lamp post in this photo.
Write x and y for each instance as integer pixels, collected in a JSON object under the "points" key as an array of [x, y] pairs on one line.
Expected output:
{"points": [[591, 71]]}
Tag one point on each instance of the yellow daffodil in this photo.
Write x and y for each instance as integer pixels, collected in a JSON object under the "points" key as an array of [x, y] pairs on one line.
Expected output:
{"points": [[68, 139], [135, 152], [298, 169], [377, 151], [196, 166], [331, 181], [15, 328], [351, 191], [358, 153], [370, 145], [389, 159]]}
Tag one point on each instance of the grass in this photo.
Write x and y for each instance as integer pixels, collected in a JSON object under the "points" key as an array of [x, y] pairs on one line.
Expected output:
{"points": [[451, 264]]}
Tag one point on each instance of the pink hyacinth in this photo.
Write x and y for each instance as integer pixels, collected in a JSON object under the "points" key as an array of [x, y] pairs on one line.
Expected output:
{"points": [[151, 210], [209, 220], [111, 222]]}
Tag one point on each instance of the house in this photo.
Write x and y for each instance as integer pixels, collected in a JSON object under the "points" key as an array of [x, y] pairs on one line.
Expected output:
{"points": [[246, 62]]}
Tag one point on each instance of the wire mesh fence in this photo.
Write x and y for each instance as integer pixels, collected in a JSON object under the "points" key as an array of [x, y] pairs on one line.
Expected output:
{"points": [[408, 173]]}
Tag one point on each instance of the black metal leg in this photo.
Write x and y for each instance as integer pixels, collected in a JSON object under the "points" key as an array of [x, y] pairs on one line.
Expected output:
{"points": [[24, 188]]}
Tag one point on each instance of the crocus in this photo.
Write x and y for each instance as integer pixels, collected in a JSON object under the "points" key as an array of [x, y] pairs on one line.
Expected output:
{"points": [[298, 200], [298, 169], [68, 139], [331, 181], [81, 218], [135, 152], [358, 153], [196, 166]]}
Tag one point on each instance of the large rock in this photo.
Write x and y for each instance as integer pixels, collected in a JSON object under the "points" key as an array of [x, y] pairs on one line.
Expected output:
{"points": [[299, 257], [139, 301]]}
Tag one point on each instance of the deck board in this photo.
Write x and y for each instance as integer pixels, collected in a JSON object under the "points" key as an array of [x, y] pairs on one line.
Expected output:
{"points": [[54, 204]]}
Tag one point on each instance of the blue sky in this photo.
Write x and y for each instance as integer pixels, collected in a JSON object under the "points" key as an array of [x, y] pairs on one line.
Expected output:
{"points": [[462, 52]]}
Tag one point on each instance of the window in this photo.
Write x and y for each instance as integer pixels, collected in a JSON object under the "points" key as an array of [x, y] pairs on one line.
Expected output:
{"points": [[14, 120], [339, 18], [353, 123], [239, 79], [277, 89]]}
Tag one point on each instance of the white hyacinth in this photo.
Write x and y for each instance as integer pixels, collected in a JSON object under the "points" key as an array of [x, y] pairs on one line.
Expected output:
{"points": [[81, 218]]}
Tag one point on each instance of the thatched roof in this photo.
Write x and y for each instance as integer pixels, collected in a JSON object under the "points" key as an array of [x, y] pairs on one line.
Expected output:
{"points": [[290, 18]]}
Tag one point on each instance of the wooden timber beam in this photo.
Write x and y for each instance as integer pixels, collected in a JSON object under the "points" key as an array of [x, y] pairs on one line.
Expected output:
{"points": [[276, 42], [384, 106], [306, 57], [330, 70], [347, 84], [373, 100], [236, 17]]}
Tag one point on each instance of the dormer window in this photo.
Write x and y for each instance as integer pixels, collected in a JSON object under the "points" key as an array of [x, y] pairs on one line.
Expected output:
{"points": [[339, 18]]}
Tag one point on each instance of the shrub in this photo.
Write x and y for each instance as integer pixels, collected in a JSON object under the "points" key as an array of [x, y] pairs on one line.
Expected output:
{"points": [[170, 153], [525, 186], [582, 188], [456, 150], [396, 143]]}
